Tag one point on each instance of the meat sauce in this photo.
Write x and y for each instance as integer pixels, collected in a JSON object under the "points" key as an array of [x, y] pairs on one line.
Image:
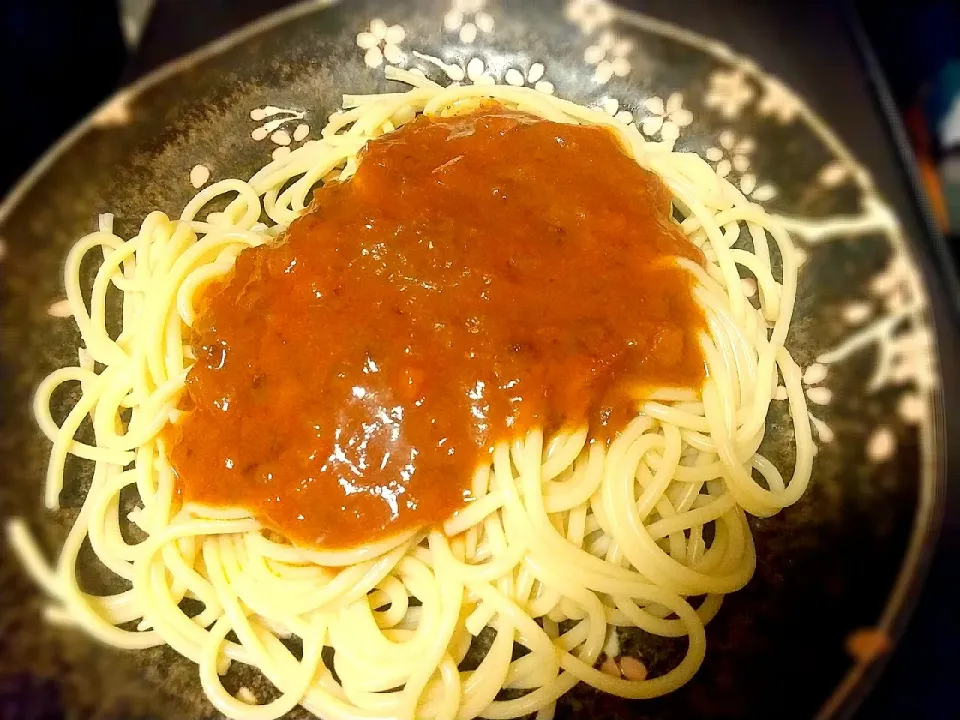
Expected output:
{"points": [[479, 276]]}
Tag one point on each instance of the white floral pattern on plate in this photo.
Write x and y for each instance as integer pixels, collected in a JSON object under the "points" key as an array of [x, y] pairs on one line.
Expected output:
{"points": [[778, 101], [611, 106], [729, 92], [833, 174], [817, 394], [467, 18], [664, 121], [666, 118], [890, 321], [589, 14], [610, 56], [532, 78], [732, 154], [276, 128], [381, 42]]}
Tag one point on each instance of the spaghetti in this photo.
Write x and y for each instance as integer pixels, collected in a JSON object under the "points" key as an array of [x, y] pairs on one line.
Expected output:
{"points": [[566, 541]]}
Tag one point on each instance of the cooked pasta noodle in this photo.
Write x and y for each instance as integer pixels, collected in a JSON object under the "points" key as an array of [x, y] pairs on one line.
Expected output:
{"points": [[566, 542]]}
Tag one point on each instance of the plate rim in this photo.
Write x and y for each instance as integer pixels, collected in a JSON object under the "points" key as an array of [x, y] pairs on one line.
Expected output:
{"points": [[860, 679]]}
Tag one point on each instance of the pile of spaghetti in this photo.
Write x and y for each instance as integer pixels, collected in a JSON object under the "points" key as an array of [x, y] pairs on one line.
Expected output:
{"points": [[566, 541]]}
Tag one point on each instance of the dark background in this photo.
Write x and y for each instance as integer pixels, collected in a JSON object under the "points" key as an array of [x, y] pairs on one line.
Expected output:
{"points": [[63, 57]]}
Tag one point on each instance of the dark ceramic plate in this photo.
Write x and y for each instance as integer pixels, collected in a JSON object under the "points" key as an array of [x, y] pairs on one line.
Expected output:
{"points": [[848, 556]]}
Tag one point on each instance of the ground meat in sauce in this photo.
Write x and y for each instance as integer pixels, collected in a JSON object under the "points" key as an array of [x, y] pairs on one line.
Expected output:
{"points": [[479, 276]]}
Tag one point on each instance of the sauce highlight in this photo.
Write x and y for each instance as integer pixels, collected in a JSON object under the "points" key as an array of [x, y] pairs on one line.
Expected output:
{"points": [[478, 276]]}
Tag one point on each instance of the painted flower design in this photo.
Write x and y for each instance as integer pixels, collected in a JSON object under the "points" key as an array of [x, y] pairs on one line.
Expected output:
{"points": [[902, 340], [277, 127], [478, 74], [778, 101], [666, 118], [905, 343], [467, 18], [533, 78], [730, 91], [731, 154], [817, 394], [60, 309], [890, 321], [589, 14], [611, 106], [909, 357], [833, 174], [381, 42], [455, 72], [906, 358], [199, 176], [610, 55]]}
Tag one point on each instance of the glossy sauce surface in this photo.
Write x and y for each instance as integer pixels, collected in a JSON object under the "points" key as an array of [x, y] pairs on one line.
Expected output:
{"points": [[479, 276]]}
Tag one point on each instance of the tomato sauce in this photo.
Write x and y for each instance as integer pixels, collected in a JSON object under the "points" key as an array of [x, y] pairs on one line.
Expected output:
{"points": [[479, 276]]}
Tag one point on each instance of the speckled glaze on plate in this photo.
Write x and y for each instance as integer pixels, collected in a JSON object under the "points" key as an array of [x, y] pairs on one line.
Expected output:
{"points": [[847, 556]]}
